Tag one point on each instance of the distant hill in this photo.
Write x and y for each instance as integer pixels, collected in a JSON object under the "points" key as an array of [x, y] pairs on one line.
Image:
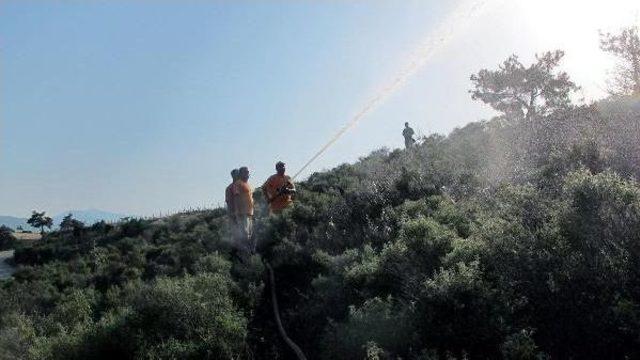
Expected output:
{"points": [[89, 217], [13, 222]]}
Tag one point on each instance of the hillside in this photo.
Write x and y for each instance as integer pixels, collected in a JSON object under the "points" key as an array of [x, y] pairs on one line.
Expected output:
{"points": [[504, 239]]}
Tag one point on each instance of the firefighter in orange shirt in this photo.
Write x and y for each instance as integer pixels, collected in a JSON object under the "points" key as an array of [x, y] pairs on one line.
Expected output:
{"points": [[279, 189], [243, 205]]}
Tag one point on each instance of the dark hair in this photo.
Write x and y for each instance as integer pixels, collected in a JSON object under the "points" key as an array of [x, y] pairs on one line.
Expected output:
{"points": [[243, 169], [235, 173], [279, 164], [406, 124]]}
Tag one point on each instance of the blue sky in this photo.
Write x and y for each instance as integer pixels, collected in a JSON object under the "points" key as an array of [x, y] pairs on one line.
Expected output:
{"points": [[143, 107]]}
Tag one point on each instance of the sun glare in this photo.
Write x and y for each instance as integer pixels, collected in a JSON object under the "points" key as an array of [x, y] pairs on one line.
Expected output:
{"points": [[573, 25]]}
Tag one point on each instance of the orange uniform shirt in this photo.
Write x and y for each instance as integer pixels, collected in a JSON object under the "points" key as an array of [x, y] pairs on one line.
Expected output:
{"points": [[242, 198], [271, 186]]}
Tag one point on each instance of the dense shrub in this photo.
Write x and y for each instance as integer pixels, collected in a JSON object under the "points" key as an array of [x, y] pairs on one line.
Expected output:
{"points": [[504, 239]]}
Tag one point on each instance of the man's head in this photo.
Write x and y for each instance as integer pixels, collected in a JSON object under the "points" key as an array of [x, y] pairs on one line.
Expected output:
{"points": [[244, 173], [280, 168], [235, 173], [406, 124]]}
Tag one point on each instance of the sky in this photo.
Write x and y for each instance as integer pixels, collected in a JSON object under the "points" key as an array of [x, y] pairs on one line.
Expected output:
{"points": [[143, 107]]}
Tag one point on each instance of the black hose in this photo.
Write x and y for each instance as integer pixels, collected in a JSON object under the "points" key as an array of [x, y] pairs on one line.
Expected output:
{"points": [[276, 313]]}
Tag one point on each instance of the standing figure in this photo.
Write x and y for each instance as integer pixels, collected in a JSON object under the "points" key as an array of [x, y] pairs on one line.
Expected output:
{"points": [[228, 196], [243, 206], [278, 189], [408, 136]]}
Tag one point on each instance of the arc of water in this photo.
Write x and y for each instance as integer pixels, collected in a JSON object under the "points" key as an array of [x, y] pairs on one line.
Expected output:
{"points": [[438, 38]]}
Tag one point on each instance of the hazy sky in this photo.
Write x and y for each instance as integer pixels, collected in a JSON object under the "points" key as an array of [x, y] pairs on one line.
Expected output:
{"points": [[143, 107]]}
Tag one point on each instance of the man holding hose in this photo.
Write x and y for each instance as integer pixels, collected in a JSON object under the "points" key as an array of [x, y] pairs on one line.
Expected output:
{"points": [[279, 190]]}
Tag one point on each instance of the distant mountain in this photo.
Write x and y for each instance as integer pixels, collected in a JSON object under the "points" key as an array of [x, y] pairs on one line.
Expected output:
{"points": [[13, 222], [89, 216]]}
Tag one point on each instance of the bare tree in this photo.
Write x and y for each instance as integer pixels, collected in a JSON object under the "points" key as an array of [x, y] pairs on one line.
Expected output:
{"points": [[626, 47]]}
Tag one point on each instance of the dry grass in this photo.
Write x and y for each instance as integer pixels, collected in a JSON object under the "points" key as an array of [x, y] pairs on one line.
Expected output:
{"points": [[27, 237]]}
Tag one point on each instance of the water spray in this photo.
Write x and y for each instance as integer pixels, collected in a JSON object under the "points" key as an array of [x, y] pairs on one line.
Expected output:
{"points": [[447, 29]]}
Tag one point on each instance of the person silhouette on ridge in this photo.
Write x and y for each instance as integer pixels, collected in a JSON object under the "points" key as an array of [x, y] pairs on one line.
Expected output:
{"points": [[408, 136]]}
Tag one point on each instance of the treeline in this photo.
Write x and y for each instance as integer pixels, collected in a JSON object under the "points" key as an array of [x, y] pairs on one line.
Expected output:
{"points": [[514, 238]]}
